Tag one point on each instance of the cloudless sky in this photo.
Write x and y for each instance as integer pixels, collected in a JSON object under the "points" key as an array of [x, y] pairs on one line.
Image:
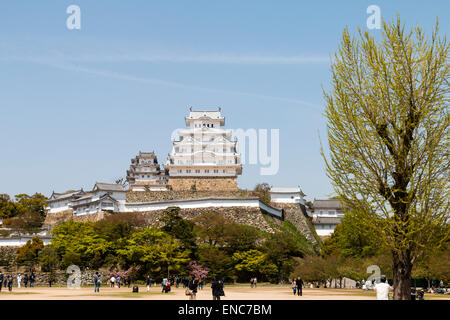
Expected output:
{"points": [[77, 105]]}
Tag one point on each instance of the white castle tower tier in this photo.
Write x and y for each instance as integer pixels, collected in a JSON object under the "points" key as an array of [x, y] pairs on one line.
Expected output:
{"points": [[205, 156]]}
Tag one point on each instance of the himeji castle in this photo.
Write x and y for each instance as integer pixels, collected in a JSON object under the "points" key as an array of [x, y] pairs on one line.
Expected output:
{"points": [[205, 156], [200, 174]]}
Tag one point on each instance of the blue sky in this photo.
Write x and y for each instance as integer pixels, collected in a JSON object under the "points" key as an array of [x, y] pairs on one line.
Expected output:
{"points": [[77, 105]]}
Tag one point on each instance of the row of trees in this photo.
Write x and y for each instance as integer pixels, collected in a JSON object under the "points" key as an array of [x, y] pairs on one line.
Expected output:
{"points": [[25, 213], [124, 241], [353, 247]]}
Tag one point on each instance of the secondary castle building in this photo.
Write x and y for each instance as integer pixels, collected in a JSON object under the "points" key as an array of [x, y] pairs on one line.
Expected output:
{"points": [[145, 173], [326, 216], [205, 155]]}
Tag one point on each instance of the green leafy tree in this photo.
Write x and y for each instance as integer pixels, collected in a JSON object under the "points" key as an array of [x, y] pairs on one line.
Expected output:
{"points": [[249, 263], [218, 261], [280, 249], [48, 259], [180, 228], [28, 254], [78, 243], [154, 249], [388, 129]]}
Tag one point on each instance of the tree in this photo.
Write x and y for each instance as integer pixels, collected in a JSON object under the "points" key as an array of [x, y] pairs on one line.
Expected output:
{"points": [[263, 192], [217, 261], [211, 228], [388, 129], [79, 243], [48, 259], [281, 248], [180, 228], [197, 270], [154, 249], [28, 253]]}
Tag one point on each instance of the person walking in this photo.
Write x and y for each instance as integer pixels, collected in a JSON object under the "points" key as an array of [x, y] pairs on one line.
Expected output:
{"points": [[10, 283], [294, 286], [118, 281], [129, 281], [217, 289], [193, 285], [96, 282], [255, 281], [25, 280], [19, 280], [382, 289], [32, 277], [299, 285], [2, 277], [113, 281], [149, 283], [251, 283]]}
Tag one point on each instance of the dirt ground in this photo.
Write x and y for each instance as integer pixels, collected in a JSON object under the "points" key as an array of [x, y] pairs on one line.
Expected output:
{"points": [[231, 293]]}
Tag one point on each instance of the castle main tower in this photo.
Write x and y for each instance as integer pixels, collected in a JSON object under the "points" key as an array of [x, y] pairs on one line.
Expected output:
{"points": [[205, 156]]}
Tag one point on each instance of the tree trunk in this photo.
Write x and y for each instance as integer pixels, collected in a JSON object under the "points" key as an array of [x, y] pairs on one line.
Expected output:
{"points": [[402, 278]]}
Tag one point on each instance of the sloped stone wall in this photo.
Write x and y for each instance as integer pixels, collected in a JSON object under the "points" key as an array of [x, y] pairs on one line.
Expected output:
{"points": [[293, 213], [242, 215]]}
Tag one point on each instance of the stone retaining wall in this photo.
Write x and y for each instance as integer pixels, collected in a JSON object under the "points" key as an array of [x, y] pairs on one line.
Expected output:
{"points": [[242, 215], [149, 196], [293, 213], [59, 277], [203, 183]]}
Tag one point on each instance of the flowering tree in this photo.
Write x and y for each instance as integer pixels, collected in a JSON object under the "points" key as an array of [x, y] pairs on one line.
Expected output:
{"points": [[197, 270], [123, 273]]}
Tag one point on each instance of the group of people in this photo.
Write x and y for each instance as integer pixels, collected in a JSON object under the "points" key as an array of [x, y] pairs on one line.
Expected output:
{"points": [[7, 280], [297, 285], [253, 282], [216, 288], [116, 282]]}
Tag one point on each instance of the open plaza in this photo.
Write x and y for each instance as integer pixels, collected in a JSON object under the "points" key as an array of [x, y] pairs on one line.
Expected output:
{"points": [[233, 292]]}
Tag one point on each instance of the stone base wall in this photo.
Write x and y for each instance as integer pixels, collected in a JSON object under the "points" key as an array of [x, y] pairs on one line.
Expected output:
{"points": [[242, 215], [203, 183], [149, 196], [53, 219], [59, 278], [294, 213]]}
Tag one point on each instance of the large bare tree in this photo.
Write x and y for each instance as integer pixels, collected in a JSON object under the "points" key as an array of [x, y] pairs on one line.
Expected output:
{"points": [[388, 134]]}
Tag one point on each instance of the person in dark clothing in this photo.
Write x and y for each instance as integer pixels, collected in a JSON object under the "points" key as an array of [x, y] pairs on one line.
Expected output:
{"points": [[193, 285], [1, 280], [32, 280], [129, 281], [217, 289], [25, 280], [299, 284], [96, 282], [10, 282]]}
